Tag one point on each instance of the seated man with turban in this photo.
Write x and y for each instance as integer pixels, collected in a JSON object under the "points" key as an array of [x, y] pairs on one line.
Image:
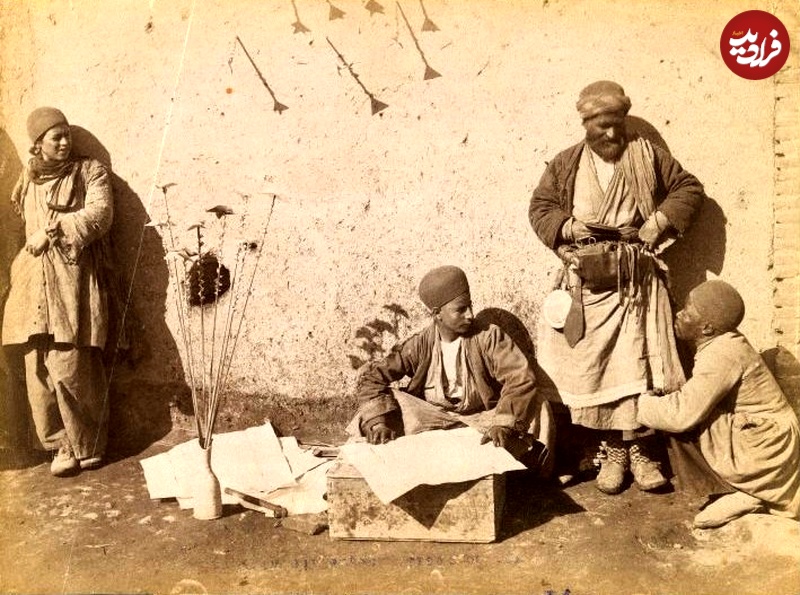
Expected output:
{"points": [[461, 373], [745, 428]]}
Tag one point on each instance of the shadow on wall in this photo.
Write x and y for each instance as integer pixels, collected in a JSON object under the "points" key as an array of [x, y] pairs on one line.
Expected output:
{"points": [[512, 326], [13, 410], [143, 355], [639, 127], [786, 369], [515, 329], [569, 439], [702, 248]]}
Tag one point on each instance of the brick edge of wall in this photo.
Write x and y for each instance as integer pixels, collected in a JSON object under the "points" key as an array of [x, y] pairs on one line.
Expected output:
{"points": [[785, 256]]}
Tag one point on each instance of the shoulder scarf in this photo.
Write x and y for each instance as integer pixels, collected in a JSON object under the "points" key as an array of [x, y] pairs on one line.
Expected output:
{"points": [[61, 196], [638, 168]]}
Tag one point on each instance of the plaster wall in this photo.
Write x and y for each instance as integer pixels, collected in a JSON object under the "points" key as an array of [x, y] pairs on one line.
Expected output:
{"points": [[365, 204]]}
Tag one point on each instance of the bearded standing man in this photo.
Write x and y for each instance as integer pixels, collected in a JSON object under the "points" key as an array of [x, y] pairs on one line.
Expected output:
{"points": [[618, 339]]}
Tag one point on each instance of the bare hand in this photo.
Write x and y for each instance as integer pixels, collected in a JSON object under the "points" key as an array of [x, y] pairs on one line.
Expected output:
{"points": [[499, 436], [653, 228], [649, 233], [580, 231], [380, 433], [566, 253], [37, 243]]}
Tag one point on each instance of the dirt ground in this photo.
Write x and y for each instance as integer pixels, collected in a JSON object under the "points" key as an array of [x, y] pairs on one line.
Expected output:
{"points": [[459, 153], [99, 532]]}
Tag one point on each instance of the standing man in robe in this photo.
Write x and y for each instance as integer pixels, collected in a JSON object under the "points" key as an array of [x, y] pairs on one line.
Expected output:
{"points": [[617, 340], [56, 315]]}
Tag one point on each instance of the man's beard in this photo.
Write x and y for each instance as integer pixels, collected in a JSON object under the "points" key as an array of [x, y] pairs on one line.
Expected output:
{"points": [[609, 151]]}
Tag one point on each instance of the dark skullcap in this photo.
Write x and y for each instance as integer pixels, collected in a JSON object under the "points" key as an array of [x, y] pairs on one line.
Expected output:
{"points": [[602, 97], [719, 304], [43, 119], [442, 285]]}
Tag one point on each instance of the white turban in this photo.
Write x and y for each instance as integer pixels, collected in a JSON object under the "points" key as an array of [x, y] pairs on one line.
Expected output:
{"points": [[602, 97]]}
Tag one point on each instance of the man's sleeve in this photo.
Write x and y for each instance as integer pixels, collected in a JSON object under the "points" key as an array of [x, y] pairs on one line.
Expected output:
{"points": [[545, 212], [713, 378], [78, 229], [517, 404], [684, 194], [373, 387]]}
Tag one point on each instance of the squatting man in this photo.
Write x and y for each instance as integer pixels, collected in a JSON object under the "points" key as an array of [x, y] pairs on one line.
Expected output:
{"points": [[742, 423], [462, 372]]}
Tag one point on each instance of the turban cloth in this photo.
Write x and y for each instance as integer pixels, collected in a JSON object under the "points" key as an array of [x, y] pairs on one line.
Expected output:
{"points": [[602, 97], [442, 285], [718, 304], [43, 119]]}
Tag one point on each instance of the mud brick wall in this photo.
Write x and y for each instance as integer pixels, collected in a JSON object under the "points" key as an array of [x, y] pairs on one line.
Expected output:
{"points": [[786, 242], [365, 202]]}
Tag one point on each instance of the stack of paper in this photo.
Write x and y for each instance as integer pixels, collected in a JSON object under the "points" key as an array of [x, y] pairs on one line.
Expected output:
{"points": [[253, 461]]}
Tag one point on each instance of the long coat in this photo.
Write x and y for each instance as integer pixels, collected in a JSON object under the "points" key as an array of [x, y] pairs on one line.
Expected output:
{"points": [[678, 194], [625, 349], [62, 292], [499, 370], [748, 432]]}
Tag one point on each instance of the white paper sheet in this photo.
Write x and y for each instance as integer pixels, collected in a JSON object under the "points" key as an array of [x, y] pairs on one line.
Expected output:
{"points": [[251, 461], [429, 458], [308, 496], [301, 460]]}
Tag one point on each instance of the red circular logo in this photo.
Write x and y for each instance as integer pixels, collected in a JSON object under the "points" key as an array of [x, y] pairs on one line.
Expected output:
{"points": [[754, 44]]}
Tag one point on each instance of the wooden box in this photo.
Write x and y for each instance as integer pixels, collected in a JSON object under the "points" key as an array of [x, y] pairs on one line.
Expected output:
{"points": [[461, 512]]}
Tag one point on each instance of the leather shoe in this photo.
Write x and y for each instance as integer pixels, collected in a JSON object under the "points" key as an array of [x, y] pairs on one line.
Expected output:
{"points": [[64, 463], [647, 475], [610, 478]]}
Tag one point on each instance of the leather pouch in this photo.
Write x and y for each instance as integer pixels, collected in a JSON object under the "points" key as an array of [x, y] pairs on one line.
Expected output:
{"points": [[598, 265]]}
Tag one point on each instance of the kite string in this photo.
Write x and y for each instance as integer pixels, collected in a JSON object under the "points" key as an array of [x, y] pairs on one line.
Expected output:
{"points": [[137, 258], [153, 186]]}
